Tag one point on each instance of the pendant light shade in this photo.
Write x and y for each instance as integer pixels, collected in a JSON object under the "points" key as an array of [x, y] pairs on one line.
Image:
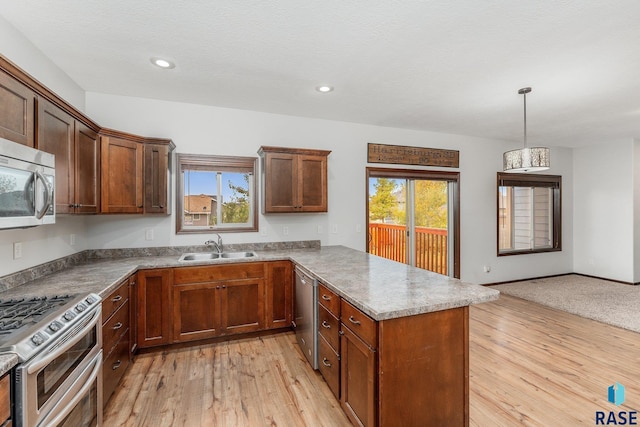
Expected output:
{"points": [[527, 159]]}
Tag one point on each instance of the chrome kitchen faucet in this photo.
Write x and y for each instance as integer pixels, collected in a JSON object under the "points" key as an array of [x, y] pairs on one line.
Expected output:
{"points": [[218, 244]]}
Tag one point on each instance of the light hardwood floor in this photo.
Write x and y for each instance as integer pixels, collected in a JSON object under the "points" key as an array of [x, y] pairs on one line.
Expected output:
{"points": [[529, 365]]}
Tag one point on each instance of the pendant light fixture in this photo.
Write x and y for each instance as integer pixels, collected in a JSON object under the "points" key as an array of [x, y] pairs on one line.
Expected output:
{"points": [[527, 159]]}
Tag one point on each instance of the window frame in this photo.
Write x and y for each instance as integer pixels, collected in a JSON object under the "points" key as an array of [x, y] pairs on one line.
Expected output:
{"points": [[533, 180], [219, 164]]}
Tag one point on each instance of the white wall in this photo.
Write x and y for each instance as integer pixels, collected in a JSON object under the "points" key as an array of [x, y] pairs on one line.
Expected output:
{"points": [[45, 243], [213, 130], [636, 211], [604, 210], [19, 50]]}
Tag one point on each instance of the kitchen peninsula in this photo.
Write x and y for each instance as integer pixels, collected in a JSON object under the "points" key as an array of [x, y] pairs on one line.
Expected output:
{"points": [[417, 324]]}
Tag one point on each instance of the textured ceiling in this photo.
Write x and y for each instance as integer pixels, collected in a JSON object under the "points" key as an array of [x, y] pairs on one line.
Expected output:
{"points": [[451, 66]]}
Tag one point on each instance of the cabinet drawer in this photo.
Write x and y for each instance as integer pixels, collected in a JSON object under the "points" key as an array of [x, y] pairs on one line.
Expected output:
{"points": [[114, 301], [5, 398], [114, 367], [242, 270], [329, 365], [115, 327], [359, 323], [329, 299], [329, 327]]}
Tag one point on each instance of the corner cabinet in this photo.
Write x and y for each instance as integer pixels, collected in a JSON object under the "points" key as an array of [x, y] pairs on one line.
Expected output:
{"points": [[293, 180]]}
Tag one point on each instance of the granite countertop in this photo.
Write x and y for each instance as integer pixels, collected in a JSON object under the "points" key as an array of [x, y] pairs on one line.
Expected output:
{"points": [[381, 288]]}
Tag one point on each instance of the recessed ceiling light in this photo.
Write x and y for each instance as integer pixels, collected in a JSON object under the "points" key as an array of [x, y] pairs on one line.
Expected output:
{"points": [[162, 63], [324, 89]]}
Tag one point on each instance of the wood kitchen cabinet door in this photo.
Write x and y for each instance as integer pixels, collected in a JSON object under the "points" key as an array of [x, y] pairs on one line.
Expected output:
{"points": [[312, 183], [87, 170], [156, 186], [155, 307], [279, 294], [242, 306], [17, 111], [122, 175], [294, 179], [357, 379], [196, 311], [56, 135]]}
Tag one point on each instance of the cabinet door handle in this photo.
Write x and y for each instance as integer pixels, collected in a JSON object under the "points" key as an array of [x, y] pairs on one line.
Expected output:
{"points": [[326, 297], [116, 298], [161, 206], [325, 362], [116, 365], [326, 325], [117, 326], [354, 321], [224, 286]]}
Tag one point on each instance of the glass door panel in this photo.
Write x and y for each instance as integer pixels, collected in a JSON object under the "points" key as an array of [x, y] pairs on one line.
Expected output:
{"points": [[410, 221]]}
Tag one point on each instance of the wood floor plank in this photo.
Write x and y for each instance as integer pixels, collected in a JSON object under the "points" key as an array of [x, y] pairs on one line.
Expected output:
{"points": [[529, 365]]}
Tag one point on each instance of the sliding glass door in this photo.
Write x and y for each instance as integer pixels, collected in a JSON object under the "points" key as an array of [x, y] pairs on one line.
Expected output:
{"points": [[413, 218]]}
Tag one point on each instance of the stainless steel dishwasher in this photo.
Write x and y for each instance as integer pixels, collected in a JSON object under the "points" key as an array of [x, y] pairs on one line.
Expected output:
{"points": [[306, 316]]}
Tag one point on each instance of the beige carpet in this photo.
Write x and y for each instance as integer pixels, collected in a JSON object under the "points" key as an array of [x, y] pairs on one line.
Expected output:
{"points": [[608, 302]]}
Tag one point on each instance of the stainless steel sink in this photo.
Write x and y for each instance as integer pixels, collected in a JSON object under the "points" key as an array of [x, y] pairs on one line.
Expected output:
{"points": [[208, 256], [237, 254], [200, 256]]}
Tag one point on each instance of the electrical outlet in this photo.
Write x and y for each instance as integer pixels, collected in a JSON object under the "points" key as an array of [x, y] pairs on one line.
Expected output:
{"points": [[148, 234], [285, 230], [72, 239], [334, 228], [320, 230], [358, 228], [487, 269], [17, 250]]}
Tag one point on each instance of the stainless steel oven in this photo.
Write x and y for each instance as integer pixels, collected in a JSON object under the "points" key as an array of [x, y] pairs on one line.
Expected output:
{"points": [[59, 382]]}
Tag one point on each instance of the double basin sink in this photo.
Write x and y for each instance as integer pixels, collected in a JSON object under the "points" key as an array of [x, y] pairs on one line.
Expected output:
{"points": [[210, 256]]}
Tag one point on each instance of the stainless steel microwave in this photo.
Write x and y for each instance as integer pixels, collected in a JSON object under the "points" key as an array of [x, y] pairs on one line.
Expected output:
{"points": [[27, 182]]}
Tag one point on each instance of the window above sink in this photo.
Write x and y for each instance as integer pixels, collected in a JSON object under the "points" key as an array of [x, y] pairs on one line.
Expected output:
{"points": [[216, 193]]}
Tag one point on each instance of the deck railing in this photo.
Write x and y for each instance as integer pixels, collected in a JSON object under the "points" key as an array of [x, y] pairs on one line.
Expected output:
{"points": [[390, 241]]}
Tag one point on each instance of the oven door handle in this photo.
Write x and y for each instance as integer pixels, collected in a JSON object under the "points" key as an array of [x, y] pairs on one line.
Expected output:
{"points": [[76, 397], [36, 365]]}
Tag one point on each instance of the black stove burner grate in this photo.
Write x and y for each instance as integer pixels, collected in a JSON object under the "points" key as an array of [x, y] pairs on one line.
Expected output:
{"points": [[15, 314]]}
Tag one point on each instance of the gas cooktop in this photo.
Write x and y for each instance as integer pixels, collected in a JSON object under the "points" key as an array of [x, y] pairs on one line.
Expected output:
{"points": [[28, 326]]}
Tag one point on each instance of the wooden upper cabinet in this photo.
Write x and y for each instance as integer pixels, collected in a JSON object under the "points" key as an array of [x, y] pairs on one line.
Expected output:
{"points": [[17, 111], [77, 151], [87, 168], [122, 175], [294, 179], [56, 135], [157, 189]]}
